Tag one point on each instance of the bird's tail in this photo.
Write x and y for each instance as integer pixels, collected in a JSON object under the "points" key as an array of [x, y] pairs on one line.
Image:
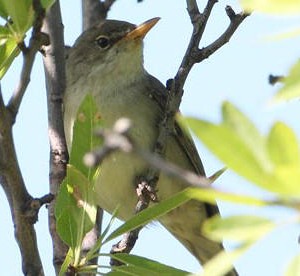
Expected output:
{"points": [[202, 248], [182, 224]]}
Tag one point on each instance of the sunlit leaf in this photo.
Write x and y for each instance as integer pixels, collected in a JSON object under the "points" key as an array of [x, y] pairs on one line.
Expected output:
{"points": [[222, 262], [284, 35], [21, 14], [143, 266], [291, 87], [211, 195], [3, 11], [283, 146], [47, 3], [237, 228], [8, 51], [242, 127], [230, 148], [84, 139], [285, 180], [151, 213], [272, 6], [74, 210], [67, 261], [294, 267], [272, 162]]}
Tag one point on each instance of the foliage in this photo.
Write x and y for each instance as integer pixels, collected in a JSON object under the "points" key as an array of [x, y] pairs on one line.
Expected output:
{"points": [[291, 82], [18, 17], [271, 162], [75, 209]]}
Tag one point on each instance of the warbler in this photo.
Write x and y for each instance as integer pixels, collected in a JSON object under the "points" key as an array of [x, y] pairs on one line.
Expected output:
{"points": [[107, 61]]}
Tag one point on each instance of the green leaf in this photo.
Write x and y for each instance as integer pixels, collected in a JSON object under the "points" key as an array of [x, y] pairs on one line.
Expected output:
{"points": [[211, 195], [161, 208], [84, 140], [21, 14], [5, 34], [74, 210], [231, 148], [222, 262], [285, 181], [3, 12], [294, 267], [93, 252], [284, 151], [283, 146], [67, 261], [8, 52], [272, 6], [237, 228], [291, 87], [242, 127], [143, 266], [151, 213], [284, 35], [272, 164], [47, 3]]}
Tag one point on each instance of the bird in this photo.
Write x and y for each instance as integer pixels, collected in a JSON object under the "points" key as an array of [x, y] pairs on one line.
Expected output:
{"points": [[107, 62]]}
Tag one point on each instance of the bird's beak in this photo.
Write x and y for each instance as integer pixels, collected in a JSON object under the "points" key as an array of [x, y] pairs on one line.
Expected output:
{"points": [[141, 30]]}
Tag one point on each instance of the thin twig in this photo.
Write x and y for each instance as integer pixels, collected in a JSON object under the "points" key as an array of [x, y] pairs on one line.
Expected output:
{"points": [[117, 139], [274, 79], [235, 21], [108, 3], [94, 11], [36, 41]]}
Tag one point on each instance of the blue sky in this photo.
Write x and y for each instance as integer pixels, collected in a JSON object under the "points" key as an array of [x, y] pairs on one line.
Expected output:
{"points": [[238, 73]]}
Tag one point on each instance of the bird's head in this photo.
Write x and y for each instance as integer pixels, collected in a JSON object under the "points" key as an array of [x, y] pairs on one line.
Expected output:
{"points": [[110, 48]]}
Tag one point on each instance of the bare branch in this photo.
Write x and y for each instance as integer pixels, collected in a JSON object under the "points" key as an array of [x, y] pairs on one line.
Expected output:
{"points": [[18, 199], [107, 4], [36, 41], [94, 11], [273, 79], [199, 20], [34, 205], [55, 83], [10, 175], [17, 195], [118, 139], [235, 21]]}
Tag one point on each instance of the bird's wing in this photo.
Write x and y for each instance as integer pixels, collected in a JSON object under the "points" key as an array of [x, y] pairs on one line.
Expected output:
{"points": [[184, 139]]}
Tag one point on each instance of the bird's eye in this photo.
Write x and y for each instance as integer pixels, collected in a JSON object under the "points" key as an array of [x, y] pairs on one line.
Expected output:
{"points": [[103, 42]]}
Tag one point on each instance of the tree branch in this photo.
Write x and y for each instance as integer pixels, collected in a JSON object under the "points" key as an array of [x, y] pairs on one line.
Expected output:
{"points": [[54, 66], [117, 139], [235, 21], [24, 213], [36, 41], [94, 11]]}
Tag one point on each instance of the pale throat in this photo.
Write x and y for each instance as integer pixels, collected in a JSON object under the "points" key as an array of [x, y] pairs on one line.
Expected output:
{"points": [[116, 83]]}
